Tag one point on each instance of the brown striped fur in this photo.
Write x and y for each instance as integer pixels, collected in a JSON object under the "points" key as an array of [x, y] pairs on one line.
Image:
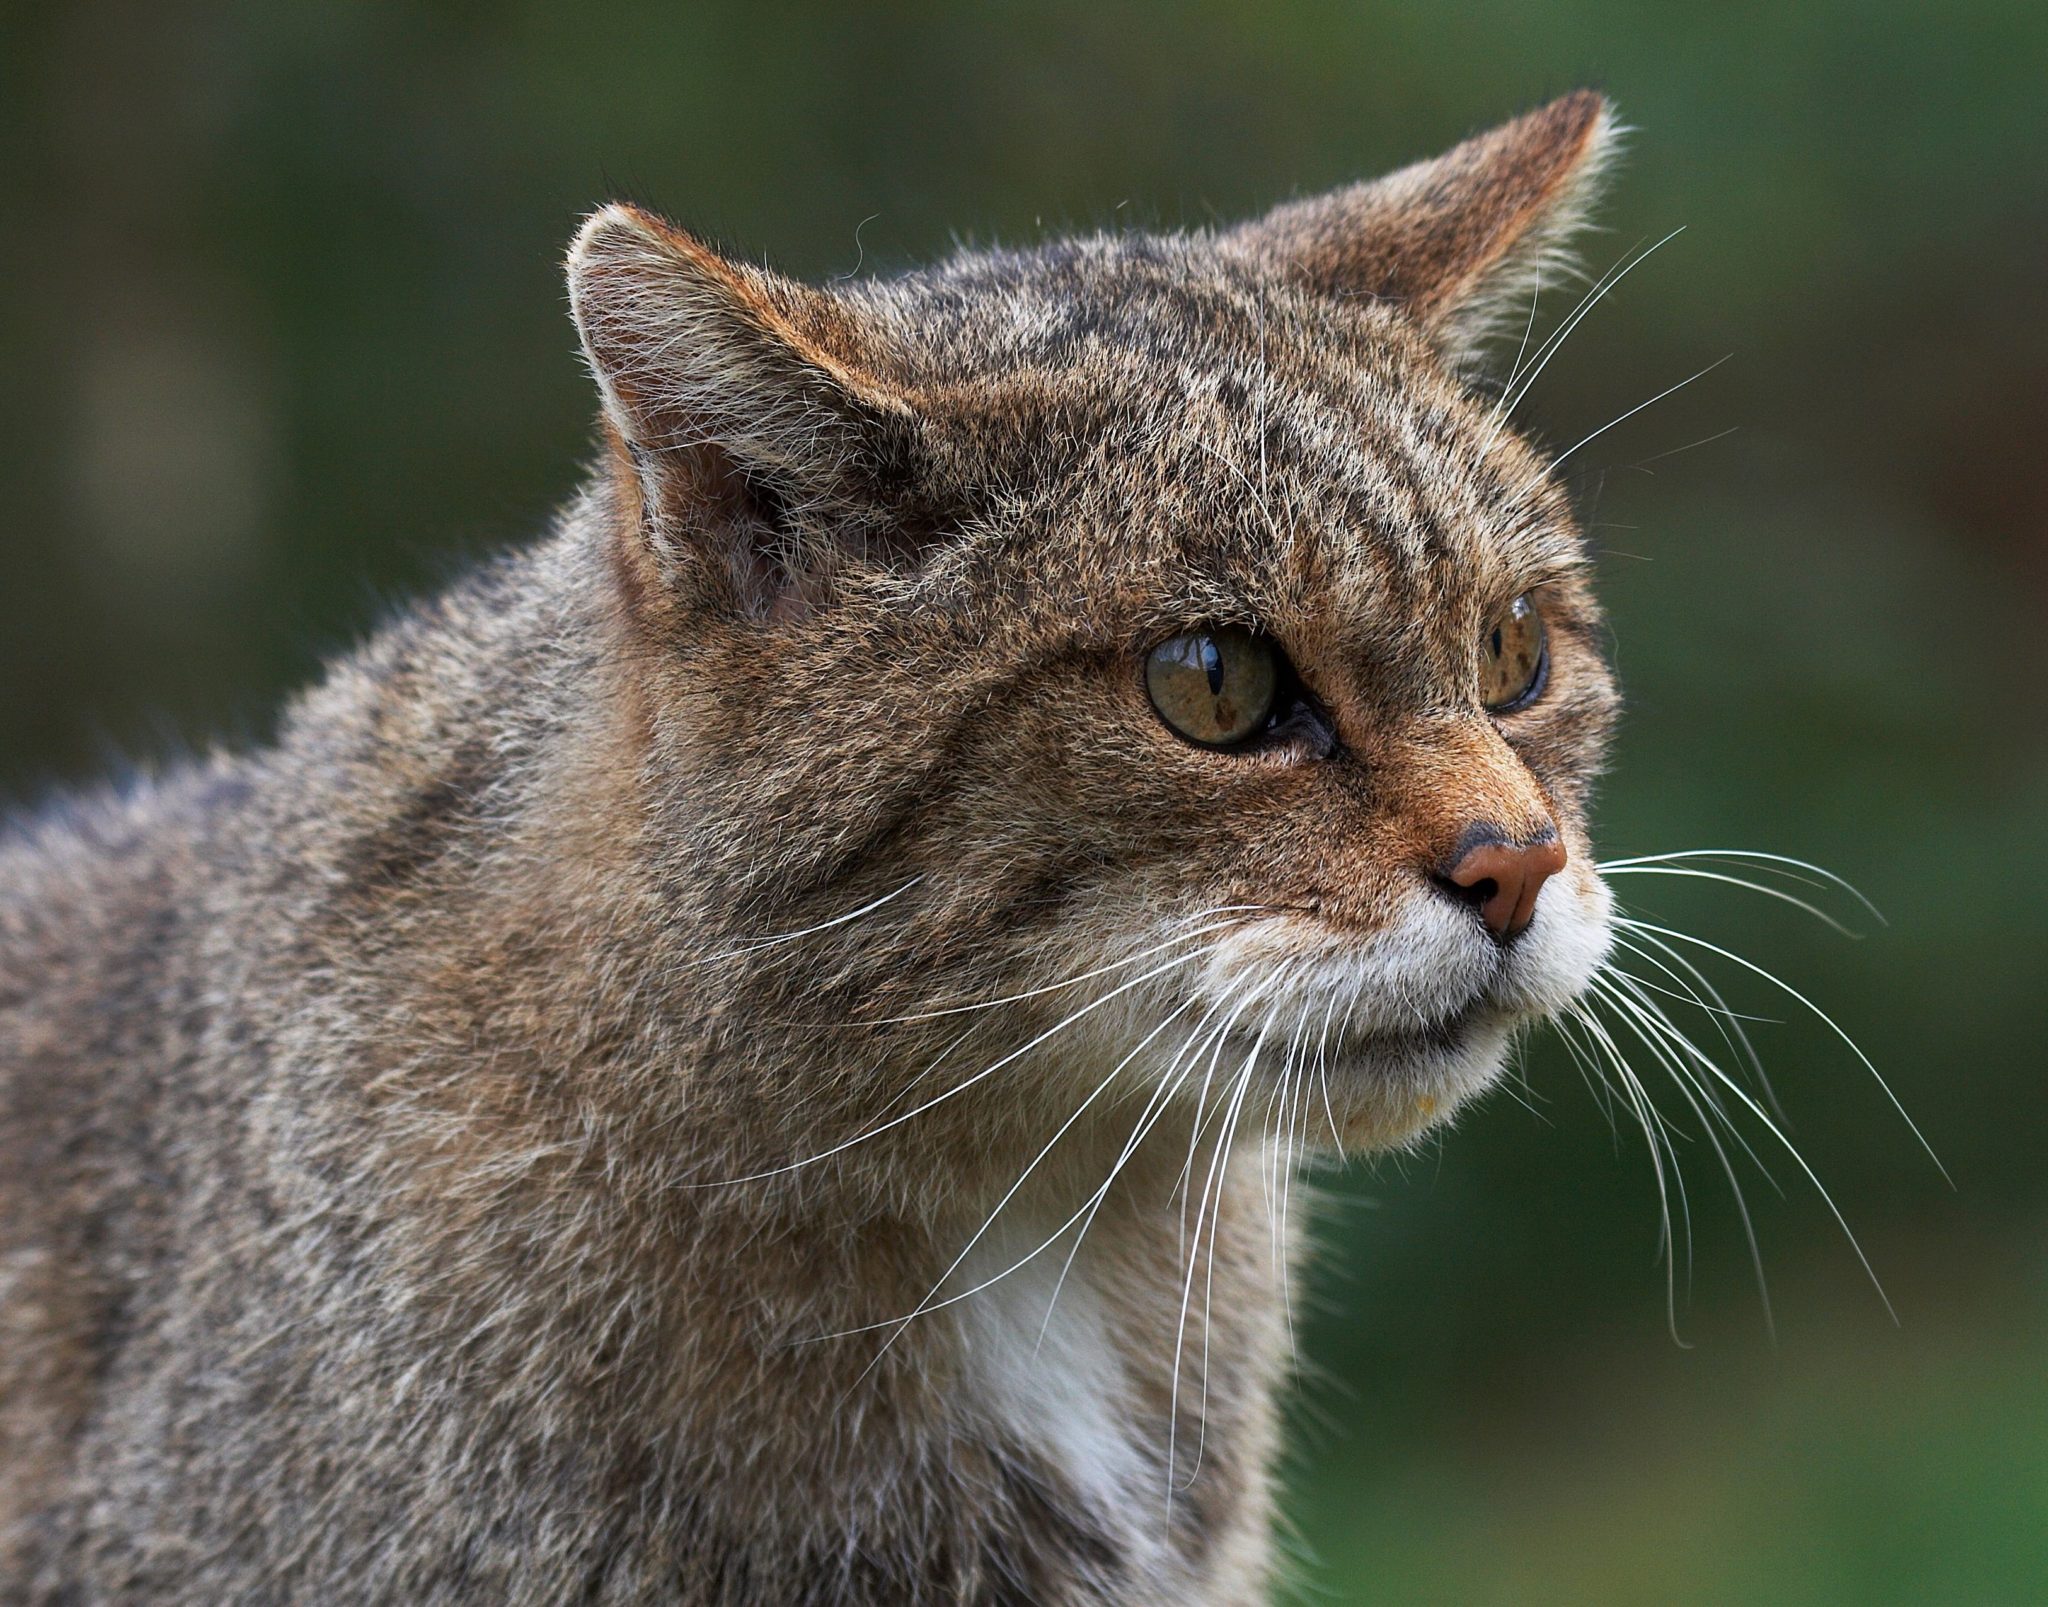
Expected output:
{"points": [[399, 1126]]}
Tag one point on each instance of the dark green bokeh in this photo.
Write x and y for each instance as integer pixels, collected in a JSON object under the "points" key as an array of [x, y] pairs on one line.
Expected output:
{"points": [[282, 336]]}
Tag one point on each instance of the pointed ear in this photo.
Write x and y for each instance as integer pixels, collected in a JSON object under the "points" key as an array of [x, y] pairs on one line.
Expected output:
{"points": [[1461, 242], [760, 459]]}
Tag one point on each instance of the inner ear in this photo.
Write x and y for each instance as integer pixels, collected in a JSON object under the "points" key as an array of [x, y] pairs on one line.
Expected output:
{"points": [[699, 488], [766, 454]]}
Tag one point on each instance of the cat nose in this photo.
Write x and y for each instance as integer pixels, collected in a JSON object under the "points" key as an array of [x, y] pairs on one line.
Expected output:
{"points": [[1500, 879]]}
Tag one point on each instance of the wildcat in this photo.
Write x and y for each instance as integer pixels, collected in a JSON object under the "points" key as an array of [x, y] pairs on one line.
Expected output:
{"points": [[750, 1053]]}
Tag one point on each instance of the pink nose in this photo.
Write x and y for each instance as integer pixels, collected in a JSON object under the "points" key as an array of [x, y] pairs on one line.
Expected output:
{"points": [[1501, 880]]}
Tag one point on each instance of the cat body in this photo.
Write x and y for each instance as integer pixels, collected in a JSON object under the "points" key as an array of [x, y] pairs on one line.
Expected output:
{"points": [[731, 1057]]}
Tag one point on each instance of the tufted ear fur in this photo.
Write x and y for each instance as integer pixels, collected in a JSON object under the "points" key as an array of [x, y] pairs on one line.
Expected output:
{"points": [[761, 458], [1460, 241]]}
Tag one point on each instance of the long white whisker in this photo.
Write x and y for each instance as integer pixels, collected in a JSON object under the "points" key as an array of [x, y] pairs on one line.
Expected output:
{"points": [[1551, 467], [1242, 1082], [1647, 1024], [1669, 1030], [1212, 1203], [1509, 396], [1507, 1087], [961, 1087], [930, 1304], [945, 1054], [1277, 1164], [1658, 952], [1707, 1064], [1590, 1073], [1682, 996], [1635, 986], [1825, 1018], [1642, 465], [1510, 400], [1170, 1082], [1214, 1050], [1323, 1080], [1784, 863], [1177, 941], [1658, 1140], [1278, 1111], [1764, 888], [756, 945], [1670, 1134], [1528, 329], [1297, 1144]]}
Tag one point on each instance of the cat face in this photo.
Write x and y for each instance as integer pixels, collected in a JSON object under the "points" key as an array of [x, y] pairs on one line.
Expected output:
{"points": [[1213, 668], [1359, 529]]}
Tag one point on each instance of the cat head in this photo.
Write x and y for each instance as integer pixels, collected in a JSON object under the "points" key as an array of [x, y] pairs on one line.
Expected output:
{"points": [[1159, 632]]}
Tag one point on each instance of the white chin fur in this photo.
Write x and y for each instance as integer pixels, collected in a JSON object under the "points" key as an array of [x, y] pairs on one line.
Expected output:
{"points": [[1417, 1017]]}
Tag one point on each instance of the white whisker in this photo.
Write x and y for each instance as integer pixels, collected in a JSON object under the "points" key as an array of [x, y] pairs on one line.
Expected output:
{"points": [[1169, 1084], [1211, 1205], [1601, 289], [1675, 962], [1528, 329], [1073, 981], [1784, 864], [1323, 1079], [1551, 467], [756, 945], [1764, 888], [1240, 1083], [1658, 1137], [1707, 1064], [929, 1303], [1822, 1015], [1648, 1025], [961, 1087]]}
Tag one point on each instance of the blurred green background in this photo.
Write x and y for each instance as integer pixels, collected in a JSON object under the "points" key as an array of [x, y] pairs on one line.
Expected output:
{"points": [[282, 337]]}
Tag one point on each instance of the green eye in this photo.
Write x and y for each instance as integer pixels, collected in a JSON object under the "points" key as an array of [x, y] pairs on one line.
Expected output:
{"points": [[1513, 658], [1213, 687]]}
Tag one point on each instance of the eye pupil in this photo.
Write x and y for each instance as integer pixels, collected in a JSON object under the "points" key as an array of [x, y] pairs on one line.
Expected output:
{"points": [[1212, 666], [1496, 641]]}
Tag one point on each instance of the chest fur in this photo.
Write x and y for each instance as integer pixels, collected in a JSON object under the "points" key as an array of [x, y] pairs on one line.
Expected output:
{"points": [[1135, 1374]]}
